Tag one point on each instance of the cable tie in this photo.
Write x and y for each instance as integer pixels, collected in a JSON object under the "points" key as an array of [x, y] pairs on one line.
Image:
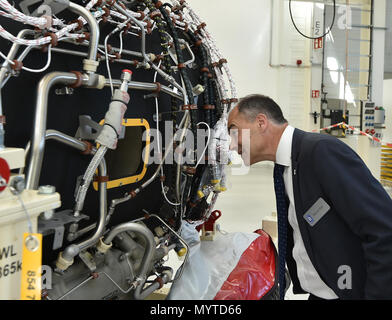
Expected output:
{"points": [[54, 37], [17, 66], [155, 14], [142, 15], [114, 129], [222, 61], [100, 179], [159, 87], [201, 26], [79, 22], [79, 79], [133, 194]]}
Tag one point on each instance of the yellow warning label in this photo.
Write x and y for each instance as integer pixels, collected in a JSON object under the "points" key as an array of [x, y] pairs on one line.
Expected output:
{"points": [[31, 267]]}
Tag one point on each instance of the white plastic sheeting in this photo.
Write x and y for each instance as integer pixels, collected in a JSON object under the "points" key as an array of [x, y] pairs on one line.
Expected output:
{"points": [[210, 263]]}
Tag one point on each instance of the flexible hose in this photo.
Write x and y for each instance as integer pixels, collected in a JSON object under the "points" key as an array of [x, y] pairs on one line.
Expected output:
{"points": [[88, 176]]}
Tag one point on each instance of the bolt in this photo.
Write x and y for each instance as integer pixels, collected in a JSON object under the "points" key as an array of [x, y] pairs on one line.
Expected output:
{"points": [[17, 185], [47, 189], [47, 215]]}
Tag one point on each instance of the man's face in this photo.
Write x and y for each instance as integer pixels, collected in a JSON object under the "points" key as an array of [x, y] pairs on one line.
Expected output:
{"points": [[245, 136]]}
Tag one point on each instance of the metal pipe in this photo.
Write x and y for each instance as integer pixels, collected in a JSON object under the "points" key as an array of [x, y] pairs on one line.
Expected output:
{"points": [[66, 139], [145, 86], [71, 251], [179, 238], [74, 249], [178, 168], [93, 28], [115, 49], [148, 257], [38, 139], [84, 54], [148, 237], [61, 137], [141, 295]]}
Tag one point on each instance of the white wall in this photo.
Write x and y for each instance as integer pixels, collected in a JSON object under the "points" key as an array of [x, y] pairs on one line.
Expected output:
{"points": [[387, 104], [242, 33], [378, 51]]}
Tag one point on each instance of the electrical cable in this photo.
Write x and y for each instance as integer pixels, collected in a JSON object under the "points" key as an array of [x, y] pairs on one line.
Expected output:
{"points": [[159, 142], [107, 62], [308, 37], [121, 43], [208, 141], [47, 63]]}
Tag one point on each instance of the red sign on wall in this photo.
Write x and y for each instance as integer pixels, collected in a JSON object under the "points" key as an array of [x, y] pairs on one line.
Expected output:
{"points": [[318, 43], [315, 93]]}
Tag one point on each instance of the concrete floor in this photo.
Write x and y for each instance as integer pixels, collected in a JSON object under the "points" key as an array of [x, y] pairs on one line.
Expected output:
{"points": [[251, 197]]}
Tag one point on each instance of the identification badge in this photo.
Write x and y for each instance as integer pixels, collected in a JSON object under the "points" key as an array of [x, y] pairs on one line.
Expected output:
{"points": [[31, 267], [316, 212]]}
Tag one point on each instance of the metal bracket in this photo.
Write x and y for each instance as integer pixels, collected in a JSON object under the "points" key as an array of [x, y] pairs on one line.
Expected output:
{"points": [[53, 6], [88, 260], [88, 129], [57, 224], [64, 91]]}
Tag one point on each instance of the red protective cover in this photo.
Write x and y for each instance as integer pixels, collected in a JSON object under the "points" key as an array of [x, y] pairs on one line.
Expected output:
{"points": [[4, 171], [254, 275]]}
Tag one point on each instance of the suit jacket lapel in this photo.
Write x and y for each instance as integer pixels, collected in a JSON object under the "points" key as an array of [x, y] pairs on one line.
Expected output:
{"points": [[296, 173]]}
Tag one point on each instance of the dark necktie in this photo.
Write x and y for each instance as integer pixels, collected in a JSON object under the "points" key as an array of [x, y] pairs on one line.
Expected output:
{"points": [[282, 207]]}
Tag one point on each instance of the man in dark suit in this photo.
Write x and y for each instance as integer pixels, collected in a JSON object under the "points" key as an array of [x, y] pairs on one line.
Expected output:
{"points": [[334, 217]]}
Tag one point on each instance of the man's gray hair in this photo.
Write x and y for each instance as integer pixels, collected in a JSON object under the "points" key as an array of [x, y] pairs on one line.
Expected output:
{"points": [[252, 105]]}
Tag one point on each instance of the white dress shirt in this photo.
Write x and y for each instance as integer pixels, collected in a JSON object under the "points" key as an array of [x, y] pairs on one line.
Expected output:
{"points": [[308, 277]]}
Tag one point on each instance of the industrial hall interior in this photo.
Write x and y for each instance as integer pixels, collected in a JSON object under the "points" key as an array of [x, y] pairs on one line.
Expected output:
{"points": [[196, 150]]}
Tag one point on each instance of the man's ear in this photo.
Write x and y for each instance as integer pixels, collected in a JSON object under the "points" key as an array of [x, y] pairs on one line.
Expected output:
{"points": [[262, 122]]}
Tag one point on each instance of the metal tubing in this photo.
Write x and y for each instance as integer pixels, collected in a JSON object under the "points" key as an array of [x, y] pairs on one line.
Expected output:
{"points": [[178, 168], [148, 256], [71, 251], [38, 139], [148, 237], [66, 139], [141, 295], [179, 238], [84, 55], [61, 137], [145, 86], [115, 49], [74, 249], [93, 26]]}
